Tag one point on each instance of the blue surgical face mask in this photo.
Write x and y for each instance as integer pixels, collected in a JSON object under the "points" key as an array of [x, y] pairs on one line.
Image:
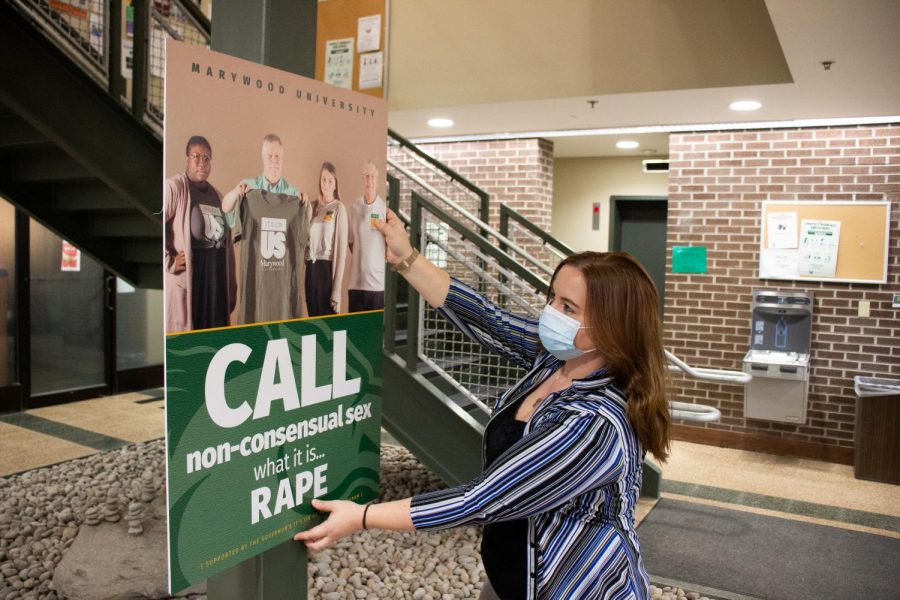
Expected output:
{"points": [[557, 332]]}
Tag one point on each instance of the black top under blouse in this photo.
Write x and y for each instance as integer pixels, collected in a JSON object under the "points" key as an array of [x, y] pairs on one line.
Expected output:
{"points": [[504, 545]]}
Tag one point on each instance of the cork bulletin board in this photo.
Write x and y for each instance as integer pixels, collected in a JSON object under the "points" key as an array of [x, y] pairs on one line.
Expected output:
{"points": [[338, 20], [825, 241]]}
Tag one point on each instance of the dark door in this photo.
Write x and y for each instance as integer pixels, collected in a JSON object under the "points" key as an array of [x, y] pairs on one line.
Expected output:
{"points": [[639, 228], [69, 318]]}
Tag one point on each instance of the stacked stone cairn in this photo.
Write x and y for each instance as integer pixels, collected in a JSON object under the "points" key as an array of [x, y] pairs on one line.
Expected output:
{"points": [[93, 516], [135, 518], [148, 486], [111, 508], [41, 512]]}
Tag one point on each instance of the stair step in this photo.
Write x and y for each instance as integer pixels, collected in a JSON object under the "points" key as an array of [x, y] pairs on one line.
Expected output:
{"points": [[51, 166], [124, 225], [17, 135]]}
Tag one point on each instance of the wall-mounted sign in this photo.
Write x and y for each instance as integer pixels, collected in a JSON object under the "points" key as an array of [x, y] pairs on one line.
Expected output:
{"points": [[368, 36], [71, 258], [782, 229], [370, 70], [339, 62], [819, 242], [689, 259]]}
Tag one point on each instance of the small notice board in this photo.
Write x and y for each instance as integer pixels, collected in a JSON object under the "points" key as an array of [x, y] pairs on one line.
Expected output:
{"points": [[825, 241]]}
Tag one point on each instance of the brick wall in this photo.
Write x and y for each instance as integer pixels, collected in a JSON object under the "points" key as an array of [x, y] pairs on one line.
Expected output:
{"points": [[717, 182], [518, 173]]}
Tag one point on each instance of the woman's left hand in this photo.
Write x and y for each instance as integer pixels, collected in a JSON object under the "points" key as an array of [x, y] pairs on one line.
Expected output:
{"points": [[345, 519]]}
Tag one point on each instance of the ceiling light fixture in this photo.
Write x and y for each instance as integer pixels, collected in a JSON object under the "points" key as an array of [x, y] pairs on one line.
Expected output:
{"points": [[627, 145], [440, 122], [745, 105]]}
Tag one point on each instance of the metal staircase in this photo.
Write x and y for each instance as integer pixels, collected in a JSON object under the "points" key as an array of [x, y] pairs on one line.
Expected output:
{"points": [[80, 148]]}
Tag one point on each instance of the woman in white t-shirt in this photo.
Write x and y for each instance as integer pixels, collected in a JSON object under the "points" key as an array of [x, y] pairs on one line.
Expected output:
{"points": [[326, 254]]}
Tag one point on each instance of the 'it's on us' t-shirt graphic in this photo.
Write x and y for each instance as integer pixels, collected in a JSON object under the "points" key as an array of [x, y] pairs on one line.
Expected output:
{"points": [[274, 231], [273, 236]]}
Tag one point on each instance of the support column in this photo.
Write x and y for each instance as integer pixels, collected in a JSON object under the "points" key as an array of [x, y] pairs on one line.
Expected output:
{"points": [[276, 33], [280, 34]]}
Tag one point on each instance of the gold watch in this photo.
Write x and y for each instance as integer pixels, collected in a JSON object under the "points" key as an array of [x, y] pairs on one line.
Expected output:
{"points": [[406, 263]]}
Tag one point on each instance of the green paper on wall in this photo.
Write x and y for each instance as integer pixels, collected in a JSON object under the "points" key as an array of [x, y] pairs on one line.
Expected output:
{"points": [[689, 259]]}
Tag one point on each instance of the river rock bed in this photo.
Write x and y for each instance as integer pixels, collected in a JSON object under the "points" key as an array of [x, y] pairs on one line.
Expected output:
{"points": [[42, 511]]}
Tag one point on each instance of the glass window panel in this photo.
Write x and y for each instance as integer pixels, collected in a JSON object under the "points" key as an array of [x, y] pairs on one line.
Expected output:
{"points": [[139, 326], [67, 343], [7, 293]]}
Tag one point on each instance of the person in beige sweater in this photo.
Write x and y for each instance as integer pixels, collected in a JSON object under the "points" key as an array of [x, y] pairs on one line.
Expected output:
{"points": [[326, 254]]}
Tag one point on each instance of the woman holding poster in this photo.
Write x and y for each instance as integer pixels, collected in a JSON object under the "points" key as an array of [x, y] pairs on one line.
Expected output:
{"points": [[564, 447], [326, 253]]}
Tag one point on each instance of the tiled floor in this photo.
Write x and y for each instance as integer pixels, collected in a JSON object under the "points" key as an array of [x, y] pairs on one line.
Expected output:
{"points": [[783, 486], [47, 436]]}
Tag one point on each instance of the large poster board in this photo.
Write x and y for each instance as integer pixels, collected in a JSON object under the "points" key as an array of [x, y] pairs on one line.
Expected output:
{"points": [[825, 241], [273, 387]]}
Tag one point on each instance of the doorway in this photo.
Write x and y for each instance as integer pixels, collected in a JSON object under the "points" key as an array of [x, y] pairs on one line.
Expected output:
{"points": [[69, 329], [638, 226], [70, 317]]}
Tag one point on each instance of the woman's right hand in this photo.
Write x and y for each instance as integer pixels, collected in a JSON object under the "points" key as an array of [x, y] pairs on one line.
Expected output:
{"points": [[180, 263], [395, 237]]}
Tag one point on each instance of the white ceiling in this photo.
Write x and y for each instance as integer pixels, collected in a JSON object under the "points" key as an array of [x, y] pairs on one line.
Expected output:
{"points": [[517, 67]]}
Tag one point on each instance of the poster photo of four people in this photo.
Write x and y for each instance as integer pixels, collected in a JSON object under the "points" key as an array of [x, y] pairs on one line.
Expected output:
{"points": [[266, 250]]}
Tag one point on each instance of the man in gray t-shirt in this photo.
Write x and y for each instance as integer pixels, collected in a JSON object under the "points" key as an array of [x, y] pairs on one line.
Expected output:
{"points": [[366, 290]]}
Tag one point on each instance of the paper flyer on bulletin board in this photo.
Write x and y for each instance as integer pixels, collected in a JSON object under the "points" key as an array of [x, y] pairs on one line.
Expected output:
{"points": [[273, 385], [782, 230], [339, 63], [371, 67], [368, 36], [819, 242]]}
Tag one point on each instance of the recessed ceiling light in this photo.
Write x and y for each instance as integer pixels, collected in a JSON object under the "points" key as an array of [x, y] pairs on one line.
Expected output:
{"points": [[745, 105], [440, 122], [627, 144]]}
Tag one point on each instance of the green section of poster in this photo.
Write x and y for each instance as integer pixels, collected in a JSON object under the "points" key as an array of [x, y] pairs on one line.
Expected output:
{"points": [[260, 420]]}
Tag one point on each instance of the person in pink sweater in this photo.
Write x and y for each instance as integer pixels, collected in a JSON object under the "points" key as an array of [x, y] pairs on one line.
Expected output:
{"points": [[200, 286]]}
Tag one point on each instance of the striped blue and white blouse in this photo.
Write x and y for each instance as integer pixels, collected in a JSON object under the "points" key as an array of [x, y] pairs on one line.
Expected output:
{"points": [[575, 474]]}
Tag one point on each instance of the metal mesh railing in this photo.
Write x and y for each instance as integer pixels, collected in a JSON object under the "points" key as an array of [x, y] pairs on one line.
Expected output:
{"points": [[417, 174], [410, 183], [79, 26], [533, 238], [474, 371], [548, 256], [85, 29], [168, 20]]}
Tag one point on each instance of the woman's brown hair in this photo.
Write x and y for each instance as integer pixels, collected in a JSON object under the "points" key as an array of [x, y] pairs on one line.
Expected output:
{"points": [[622, 312]]}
